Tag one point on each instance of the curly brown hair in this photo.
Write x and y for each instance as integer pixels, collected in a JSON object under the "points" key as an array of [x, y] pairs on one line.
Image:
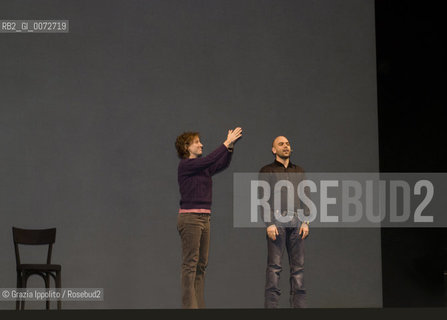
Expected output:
{"points": [[182, 143]]}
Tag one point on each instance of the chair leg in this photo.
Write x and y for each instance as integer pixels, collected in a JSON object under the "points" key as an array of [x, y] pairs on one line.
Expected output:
{"points": [[19, 285], [47, 286], [24, 280], [59, 286]]}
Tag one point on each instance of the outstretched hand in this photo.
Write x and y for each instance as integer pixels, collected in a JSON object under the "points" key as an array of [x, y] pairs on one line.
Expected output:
{"points": [[232, 136]]}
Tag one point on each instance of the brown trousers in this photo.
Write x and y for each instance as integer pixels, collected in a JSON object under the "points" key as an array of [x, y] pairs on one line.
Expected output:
{"points": [[194, 230]]}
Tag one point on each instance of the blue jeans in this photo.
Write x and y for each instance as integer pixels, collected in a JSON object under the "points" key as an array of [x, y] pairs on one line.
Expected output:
{"points": [[289, 239]]}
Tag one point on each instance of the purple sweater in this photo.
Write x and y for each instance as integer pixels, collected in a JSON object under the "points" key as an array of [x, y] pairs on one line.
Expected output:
{"points": [[194, 178]]}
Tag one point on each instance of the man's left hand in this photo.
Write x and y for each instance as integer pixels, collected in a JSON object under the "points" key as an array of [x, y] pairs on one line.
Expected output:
{"points": [[304, 230]]}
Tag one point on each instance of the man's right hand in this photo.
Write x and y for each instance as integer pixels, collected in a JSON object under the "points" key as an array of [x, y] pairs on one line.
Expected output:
{"points": [[272, 232], [232, 136]]}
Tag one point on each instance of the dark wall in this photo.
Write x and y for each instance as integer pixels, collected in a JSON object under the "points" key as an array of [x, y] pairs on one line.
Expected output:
{"points": [[411, 55], [89, 118]]}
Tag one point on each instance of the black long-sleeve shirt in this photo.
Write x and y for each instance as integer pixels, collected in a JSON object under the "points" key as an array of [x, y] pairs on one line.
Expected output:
{"points": [[274, 172]]}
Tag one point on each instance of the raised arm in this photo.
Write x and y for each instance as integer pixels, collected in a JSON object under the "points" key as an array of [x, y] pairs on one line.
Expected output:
{"points": [[191, 166], [224, 162], [218, 157]]}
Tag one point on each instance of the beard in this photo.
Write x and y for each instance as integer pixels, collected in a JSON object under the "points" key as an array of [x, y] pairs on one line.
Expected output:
{"points": [[284, 157]]}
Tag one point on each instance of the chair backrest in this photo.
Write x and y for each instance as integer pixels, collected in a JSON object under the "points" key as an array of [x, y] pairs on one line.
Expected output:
{"points": [[33, 237]]}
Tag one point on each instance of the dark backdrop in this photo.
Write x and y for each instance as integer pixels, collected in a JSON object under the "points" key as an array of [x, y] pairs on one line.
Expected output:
{"points": [[88, 121], [412, 113]]}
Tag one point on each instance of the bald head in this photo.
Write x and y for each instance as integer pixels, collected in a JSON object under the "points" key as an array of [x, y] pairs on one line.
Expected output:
{"points": [[281, 147], [277, 139]]}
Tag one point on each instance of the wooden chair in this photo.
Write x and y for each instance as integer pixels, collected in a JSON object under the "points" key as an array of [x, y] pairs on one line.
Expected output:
{"points": [[45, 270]]}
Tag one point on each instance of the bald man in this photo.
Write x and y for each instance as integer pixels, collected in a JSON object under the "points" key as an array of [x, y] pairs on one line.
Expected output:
{"points": [[282, 235]]}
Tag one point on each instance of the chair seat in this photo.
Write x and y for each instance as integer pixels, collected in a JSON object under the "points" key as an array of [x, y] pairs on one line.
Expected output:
{"points": [[39, 267]]}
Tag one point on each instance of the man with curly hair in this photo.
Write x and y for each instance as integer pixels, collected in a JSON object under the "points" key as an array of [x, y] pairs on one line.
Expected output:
{"points": [[193, 222]]}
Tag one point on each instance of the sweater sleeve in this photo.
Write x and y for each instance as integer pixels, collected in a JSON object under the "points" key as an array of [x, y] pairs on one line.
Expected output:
{"points": [[221, 163], [192, 166]]}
